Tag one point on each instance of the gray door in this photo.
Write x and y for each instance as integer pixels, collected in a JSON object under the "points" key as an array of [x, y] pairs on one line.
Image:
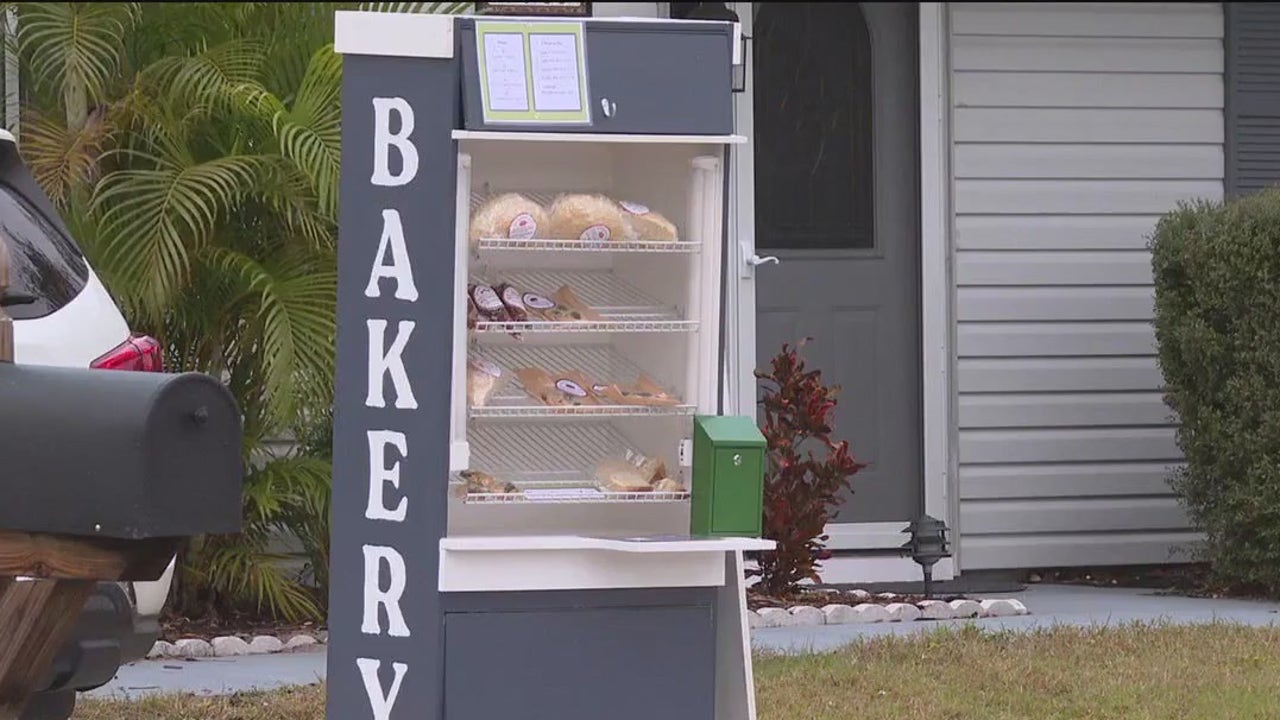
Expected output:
{"points": [[837, 202]]}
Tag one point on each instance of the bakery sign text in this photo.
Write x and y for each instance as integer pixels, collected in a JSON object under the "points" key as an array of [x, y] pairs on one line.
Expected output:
{"points": [[388, 448]]}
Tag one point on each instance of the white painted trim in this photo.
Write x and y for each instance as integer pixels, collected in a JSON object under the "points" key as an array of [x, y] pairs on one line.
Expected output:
{"points": [[420, 35], [552, 543], [735, 684], [502, 136], [937, 328], [740, 310], [583, 569], [459, 446], [866, 536]]}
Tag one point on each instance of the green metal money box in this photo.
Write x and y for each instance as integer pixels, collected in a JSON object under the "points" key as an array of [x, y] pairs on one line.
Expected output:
{"points": [[728, 477]]}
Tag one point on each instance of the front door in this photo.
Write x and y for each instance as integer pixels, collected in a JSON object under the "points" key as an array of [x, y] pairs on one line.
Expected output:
{"points": [[836, 137]]}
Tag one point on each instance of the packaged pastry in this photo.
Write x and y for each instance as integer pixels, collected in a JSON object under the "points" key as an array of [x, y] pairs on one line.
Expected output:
{"points": [[641, 223], [509, 215], [483, 483], [484, 379], [618, 475], [488, 305], [668, 485], [644, 392], [568, 307], [561, 389], [590, 218], [511, 300], [537, 305]]}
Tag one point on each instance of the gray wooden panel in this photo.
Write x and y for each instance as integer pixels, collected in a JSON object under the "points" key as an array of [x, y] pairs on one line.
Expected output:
{"points": [[1054, 232], [1059, 374], [1021, 550], [1059, 445], [1104, 125], [1035, 339], [1173, 20], [1053, 268], [1098, 514], [1073, 90], [1046, 410], [1088, 161], [1080, 197], [585, 663], [1172, 55], [1040, 480], [1054, 303]]}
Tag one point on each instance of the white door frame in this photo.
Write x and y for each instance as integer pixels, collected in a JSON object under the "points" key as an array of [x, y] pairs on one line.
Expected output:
{"points": [[936, 303]]}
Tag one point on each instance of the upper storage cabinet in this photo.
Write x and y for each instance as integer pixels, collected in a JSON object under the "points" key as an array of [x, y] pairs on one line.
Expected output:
{"points": [[643, 78]]}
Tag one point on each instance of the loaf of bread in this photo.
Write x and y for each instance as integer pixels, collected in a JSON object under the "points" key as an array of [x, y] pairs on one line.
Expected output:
{"points": [[590, 218], [641, 223], [510, 215]]}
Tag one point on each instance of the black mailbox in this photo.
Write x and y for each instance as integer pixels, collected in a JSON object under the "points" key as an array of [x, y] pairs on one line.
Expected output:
{"points": [[129, 455]]}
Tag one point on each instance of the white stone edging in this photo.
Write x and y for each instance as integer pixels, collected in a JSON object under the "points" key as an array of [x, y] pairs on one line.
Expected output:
{"points": [[803, 615], [234, 646]]}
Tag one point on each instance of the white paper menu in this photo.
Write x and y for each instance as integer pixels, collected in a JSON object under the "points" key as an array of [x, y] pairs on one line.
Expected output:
{"points": [[556, 75], [505, 72]]}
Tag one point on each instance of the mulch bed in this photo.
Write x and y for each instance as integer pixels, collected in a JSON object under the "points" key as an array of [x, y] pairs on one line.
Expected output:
{"points": [[243, 626], [1192, 579], [819, 598]]}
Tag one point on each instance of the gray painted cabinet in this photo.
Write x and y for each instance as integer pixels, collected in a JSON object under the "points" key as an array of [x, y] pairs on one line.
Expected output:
{"points": [[621, 663], [656, 79]]}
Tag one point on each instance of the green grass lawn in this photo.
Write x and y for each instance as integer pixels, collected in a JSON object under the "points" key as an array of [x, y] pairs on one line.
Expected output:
{"points": [[1134, 673]]}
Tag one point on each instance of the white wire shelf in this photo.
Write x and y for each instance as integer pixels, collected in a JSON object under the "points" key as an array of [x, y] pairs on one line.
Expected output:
{"points": [[610, 246], [621, 307], [545, 199], [551, 464], [600, 363]]}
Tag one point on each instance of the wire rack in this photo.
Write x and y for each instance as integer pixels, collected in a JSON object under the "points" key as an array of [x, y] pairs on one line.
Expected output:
{"points": [[621, 307], [600, 363], [545, 199], [552, 464]]}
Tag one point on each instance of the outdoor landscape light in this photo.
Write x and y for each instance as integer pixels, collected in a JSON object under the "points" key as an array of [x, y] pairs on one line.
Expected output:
{"points": [[928, 545]]}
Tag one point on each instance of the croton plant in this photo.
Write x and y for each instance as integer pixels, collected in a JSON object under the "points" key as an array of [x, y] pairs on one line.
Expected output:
{"points": [[806, 475]]}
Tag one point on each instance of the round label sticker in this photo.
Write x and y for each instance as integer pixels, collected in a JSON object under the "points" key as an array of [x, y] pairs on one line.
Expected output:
{"points": [[487, 367], [537, 302], [570, 387], [511, 297], [487, 299], [523, 227], [595, 233], [634, 208]]}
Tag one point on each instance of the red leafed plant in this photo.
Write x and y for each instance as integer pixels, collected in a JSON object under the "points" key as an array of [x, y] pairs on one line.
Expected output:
{"points": [[805, 473]]}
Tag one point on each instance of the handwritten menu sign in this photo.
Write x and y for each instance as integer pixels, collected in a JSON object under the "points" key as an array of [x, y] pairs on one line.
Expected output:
{"points": [[532, 72]]}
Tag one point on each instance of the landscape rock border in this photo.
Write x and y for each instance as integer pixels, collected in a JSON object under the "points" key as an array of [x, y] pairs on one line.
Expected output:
{"points": [[236, 646], [803, 615]]}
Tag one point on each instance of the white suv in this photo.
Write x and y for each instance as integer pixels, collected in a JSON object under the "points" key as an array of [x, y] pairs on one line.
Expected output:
{"points": [[65, 317]]}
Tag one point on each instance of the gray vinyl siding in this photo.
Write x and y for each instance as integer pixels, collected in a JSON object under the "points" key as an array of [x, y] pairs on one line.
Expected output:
{"points": [[1074, 126]]}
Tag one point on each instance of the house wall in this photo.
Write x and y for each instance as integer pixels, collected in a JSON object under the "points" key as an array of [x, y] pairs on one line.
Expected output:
{"points": [[1074, 126]]}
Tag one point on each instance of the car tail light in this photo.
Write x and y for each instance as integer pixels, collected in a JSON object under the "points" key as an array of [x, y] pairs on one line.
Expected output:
{"points": [[140, 353]]}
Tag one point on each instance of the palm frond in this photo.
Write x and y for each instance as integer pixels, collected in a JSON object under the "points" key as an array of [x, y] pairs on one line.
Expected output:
{"points": [[63, 160], [309, 133], [155, 217], [74, 47]]}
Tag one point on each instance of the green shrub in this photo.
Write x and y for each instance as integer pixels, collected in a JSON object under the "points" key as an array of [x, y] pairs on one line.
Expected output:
{"points": [[1217, 277]]}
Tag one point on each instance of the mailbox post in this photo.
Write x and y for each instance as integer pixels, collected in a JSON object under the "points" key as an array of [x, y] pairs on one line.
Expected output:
{"points": [[103, 474]]}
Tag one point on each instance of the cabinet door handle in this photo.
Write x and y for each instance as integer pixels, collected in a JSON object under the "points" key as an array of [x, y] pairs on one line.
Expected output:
{"points": [[609, 107]]}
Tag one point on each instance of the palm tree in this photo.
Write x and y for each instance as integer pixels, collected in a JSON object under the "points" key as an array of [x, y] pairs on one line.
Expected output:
{"points": [[193, 148]]}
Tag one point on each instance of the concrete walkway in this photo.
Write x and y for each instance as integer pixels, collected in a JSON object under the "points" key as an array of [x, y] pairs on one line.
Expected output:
{"points": [[1049, 604]]}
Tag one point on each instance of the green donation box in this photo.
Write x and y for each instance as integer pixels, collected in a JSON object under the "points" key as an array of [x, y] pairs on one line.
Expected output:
{"points": [[728, 476]]}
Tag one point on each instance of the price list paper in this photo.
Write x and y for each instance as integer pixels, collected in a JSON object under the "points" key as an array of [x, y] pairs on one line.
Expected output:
{"points": [[533, 73]]}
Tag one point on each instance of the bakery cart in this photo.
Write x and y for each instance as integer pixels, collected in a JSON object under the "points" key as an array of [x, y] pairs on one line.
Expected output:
{"points": [[539, 510]]}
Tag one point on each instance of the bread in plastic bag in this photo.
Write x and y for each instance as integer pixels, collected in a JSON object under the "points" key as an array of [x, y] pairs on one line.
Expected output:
{"points": [[567, 388], [484, 379], [478, 482], [590, 218], [645, 392], [642, 223], [510, 215]]}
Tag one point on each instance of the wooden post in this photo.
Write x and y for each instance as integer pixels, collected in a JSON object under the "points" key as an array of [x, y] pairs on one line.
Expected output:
{"points": [[39, 612], [6, 323]]}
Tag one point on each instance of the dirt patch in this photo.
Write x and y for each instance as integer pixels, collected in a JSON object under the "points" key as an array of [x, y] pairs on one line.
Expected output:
{"points": [[244, 626], [820, 598]]}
